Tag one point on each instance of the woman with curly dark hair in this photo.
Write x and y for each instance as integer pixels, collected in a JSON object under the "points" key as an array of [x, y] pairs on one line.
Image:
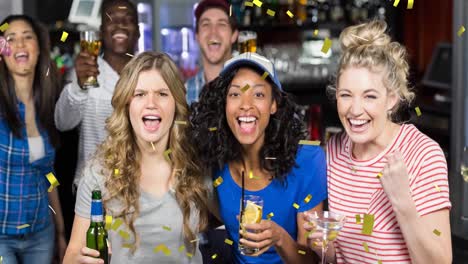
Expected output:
{"points": [[245, 124]]}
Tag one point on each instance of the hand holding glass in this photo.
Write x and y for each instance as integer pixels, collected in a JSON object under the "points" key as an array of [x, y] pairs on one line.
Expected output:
{"points": [[90, 43], [253, 209]]}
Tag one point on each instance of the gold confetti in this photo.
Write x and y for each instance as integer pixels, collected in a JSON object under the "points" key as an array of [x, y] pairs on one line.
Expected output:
{"points": [[258, 3], [248, 4], [270, 215], [309, 142], [396, 3], [4, 27], [410, 4], [270, 12], [117, 223], [53, 181], [22, 226], [228, 241], [230, 10], [302, 252], [436, 232], [109, 16], [127, 245], [124, 234], [379, 175], [379, 261], [307, 199], [265, 74], [166, 155], [1, 259], [162, 248], [418, 111], [295, 205], [358, 219], [460, 31], [178, 122], [245, 88], [116, 171], [437, 187], [212, 129], [270, 158], [326, 45], [189, 255], [214, 256], [316, 32], [128, 54], [64, 36], [218, 181], [152, 146], [181, 248], [47, 73], [108, 222], [366, 247], [194, 241], [368, 225], [52, 209], [291, 15], [167, 228]]}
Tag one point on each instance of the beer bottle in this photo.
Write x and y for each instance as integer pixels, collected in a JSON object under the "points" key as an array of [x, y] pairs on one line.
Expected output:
{"points": [[96, 236]]}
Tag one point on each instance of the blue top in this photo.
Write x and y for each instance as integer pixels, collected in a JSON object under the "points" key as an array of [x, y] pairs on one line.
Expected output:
{"points": [[194, 86], [23, 185], [278, 198]]}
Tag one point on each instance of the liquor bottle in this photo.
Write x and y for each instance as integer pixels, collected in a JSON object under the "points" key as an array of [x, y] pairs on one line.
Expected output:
{"points": [[96, 236]]}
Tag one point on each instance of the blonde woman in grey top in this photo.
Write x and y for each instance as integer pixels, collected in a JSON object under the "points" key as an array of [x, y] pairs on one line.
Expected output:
{"points": [[146, 171]]}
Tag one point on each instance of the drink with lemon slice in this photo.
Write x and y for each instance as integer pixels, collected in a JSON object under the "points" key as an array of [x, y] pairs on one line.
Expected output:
{"points": [[253, 210]]}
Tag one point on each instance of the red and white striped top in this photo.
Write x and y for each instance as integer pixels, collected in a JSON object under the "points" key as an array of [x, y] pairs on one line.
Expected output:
{"points": [[354, 189]]}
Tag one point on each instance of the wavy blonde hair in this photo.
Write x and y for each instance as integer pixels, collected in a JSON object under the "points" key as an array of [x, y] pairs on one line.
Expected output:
{"points": [[368, 45], [120, 150]]}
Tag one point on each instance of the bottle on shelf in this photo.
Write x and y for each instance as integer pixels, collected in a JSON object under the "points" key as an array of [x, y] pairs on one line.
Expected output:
{"points": [[96, 236]]}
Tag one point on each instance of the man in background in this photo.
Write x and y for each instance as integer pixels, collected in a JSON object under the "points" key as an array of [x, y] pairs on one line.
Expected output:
{"points": [[215, 32]]}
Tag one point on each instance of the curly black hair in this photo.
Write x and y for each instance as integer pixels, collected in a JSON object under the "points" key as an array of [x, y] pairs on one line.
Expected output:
{"points": [[216, 148]]}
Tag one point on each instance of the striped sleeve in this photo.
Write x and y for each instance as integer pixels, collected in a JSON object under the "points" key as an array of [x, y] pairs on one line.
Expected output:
{"points": [[430, 187]]}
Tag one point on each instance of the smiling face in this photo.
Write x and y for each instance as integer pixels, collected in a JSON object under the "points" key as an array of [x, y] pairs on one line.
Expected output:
{"points": [[24, 46], [119, 28], [248, 113], [151, 109], [363, 103], [215, 36]]}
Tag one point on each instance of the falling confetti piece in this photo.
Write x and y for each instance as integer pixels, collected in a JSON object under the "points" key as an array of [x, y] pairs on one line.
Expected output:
{"points": [[108, 222], [128, 54], [436, 232], [116, 171], [437, 187], [396, 3], [358, 219], [22, 226], [326, 45], [230, 10], [178, 122], [379, 261], [270, 215], [218, 181], [265, 74], [379, 175], [410, 4], [162, 248], [291, 15], [1, 259], [167, 228], [181, 248], [309, 142], [245, 88], [212, 129], [295, 205], [52, 209], [194, 241], [53, 181], [109, 16], [117, 223], [214, 256], [152, 146], [366, 247], [64, 36], [189, 255], [270, 158], [248, 4], [167, 153], [228, 241], [258, 3], [270, 12], [460, 31], [302, 252], [418, 111], [4, 27], [307, 199], [124, 234], [316, 32], [47, 73], [368, 225], [127, 245]]}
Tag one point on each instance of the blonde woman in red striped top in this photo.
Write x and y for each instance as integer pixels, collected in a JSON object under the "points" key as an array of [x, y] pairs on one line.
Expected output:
{"points": [[379, 167]]}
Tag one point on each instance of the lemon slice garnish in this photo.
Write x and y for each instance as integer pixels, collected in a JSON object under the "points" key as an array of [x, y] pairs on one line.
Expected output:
{"points": [[252, 213]]}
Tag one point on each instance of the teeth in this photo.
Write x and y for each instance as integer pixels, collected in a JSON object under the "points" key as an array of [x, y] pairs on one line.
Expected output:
{"points": [[247, 119], [21, 54], [119, 35], [152, 117], [357, 122], [211, 42]]}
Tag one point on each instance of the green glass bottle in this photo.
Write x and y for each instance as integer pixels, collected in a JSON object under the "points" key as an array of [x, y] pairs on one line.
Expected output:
{"points": [[96, 236]]}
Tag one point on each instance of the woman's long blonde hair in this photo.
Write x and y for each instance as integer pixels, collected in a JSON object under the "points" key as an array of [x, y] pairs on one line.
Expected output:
{"points": [[120, 151]]}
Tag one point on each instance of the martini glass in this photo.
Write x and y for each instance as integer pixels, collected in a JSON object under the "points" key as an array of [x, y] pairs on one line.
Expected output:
{"points": [[330, 224]]}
